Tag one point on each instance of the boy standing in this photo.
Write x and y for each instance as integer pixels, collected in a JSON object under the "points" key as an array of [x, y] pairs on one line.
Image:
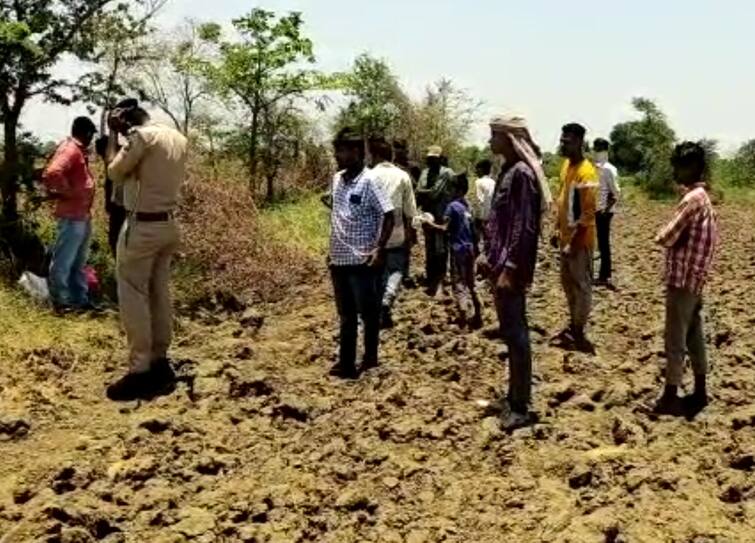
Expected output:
{"points": [[458, 223], [690, 240]]}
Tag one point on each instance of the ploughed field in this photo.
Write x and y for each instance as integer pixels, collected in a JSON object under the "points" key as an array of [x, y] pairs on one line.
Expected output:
{"points": [[258, 444]]}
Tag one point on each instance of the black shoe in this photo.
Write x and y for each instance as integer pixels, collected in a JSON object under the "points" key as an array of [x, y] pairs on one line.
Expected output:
{"points": [[133, 386], [694, 404], [564, 339], [369, 365], [90, 307], [163, 371], [63, 310], [386, 319], [514, 420], [605, 283], [584, 345], [669, 405], [344, 372]]}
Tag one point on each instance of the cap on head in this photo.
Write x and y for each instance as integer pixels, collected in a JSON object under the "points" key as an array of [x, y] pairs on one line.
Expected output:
{"points": [[434, 151], [127, 103]]}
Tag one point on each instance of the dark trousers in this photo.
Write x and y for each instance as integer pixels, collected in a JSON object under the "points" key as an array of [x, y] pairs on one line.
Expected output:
{"points": [[436, 261], [511, 305], [603, 224], [408, 261], [117, 217], [357, 293]]}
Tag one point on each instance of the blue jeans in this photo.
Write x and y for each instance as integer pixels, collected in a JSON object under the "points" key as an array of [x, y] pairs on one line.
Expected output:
{"points": [[68, 283]]}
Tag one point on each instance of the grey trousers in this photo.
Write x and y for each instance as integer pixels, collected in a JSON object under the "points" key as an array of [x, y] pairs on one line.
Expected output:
{"points": [[576, 279], [511, 306], [684, 334]]}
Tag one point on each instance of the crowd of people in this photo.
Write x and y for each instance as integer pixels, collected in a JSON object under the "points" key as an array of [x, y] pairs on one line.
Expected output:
{"points": [[378, 202]]}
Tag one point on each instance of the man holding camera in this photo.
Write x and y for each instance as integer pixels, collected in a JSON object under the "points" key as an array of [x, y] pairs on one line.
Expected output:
{"points": [[151, 166]]}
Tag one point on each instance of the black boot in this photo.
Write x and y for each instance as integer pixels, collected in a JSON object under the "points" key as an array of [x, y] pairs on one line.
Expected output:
{"points": [[698, 400], [669, 403], [344, 372], [133, 386], [386, 319]]}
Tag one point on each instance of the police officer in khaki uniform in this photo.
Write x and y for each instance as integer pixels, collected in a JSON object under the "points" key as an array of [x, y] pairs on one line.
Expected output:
{"points": [[151, 166]]}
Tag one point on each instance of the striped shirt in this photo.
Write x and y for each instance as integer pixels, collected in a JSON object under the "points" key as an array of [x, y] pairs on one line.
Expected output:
{"points": [[690, 240], [359, 206]]}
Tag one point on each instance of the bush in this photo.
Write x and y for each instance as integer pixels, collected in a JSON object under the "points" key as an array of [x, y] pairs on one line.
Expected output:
{"points": [[226, 252]]}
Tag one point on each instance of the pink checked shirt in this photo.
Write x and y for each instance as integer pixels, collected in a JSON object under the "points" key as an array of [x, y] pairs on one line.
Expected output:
{"points": [[70, 180], [690, 240]]}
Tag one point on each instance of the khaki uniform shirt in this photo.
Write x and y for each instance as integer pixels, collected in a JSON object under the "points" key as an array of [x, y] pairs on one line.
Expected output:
{"points": [[151, 167]]}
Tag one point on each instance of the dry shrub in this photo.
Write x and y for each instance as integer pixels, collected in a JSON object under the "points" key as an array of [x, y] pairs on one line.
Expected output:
{"points": [[226, 253]]}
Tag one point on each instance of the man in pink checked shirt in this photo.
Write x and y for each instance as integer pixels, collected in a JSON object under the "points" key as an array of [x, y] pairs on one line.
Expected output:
{"points": [[690, 240], [70, 183]]}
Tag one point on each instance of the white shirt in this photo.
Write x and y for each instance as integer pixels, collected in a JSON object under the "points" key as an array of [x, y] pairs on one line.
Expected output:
{"points": [[397, 185], [485, 188], [609, 184]]}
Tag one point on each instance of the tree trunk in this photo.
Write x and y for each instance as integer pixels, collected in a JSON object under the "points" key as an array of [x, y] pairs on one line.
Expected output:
{"points": [[270, 195], [253, 144], [9, 172]]}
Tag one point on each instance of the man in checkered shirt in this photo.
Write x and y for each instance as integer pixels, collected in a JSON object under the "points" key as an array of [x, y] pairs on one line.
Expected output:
{"points": [[362, 221], [690, 240]]}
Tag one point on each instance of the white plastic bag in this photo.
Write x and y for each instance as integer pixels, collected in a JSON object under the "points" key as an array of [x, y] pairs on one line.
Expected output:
{"points": [[423, 218], [35, 286]]}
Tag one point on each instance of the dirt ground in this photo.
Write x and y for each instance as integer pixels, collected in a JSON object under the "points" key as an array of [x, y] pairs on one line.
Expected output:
{"points": [[258, 444]]}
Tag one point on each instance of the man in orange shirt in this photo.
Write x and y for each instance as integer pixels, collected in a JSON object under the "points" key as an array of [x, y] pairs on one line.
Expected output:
{"points": [[576, 235]]}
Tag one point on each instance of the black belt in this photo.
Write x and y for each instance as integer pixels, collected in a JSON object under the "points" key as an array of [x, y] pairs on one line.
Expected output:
{"points": [[153, 217]]}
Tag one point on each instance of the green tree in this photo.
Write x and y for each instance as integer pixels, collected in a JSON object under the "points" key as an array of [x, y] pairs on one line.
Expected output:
{"points": [[444, 117], [168, 77], [34, 36], [643, 147], [262, 72], [378, 105], [740, 169]]}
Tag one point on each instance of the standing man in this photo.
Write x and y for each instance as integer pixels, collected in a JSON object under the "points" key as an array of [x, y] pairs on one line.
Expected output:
{"points": [[608, 197], [576, 235], [397, 186], [484, 189], [690, 240], [433, 196], [70, 183], [361, 226], [511, 244], [151, 166], [114, 206], [401, 159]]}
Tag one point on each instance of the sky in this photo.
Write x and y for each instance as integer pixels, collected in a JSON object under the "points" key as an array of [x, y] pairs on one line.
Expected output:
{"points": [[551, 61]]}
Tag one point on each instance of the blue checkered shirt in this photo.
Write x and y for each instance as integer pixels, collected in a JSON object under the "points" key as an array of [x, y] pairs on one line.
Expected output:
{"points": [[359, 207]]}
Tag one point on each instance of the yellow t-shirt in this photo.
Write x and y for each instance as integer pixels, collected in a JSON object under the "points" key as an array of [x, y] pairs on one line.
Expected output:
{"points": [[576, 204]]}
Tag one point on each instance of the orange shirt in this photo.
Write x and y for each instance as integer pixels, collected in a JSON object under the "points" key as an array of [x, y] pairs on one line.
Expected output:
{"points": [[576, 204]]}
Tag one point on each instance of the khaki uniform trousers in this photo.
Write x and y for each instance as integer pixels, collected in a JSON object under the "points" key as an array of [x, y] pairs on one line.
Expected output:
{"points": [[576, 279], [145, 250]]}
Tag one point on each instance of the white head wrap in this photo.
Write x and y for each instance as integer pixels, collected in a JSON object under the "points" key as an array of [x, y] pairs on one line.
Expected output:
{"points": [[518, 132]]}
